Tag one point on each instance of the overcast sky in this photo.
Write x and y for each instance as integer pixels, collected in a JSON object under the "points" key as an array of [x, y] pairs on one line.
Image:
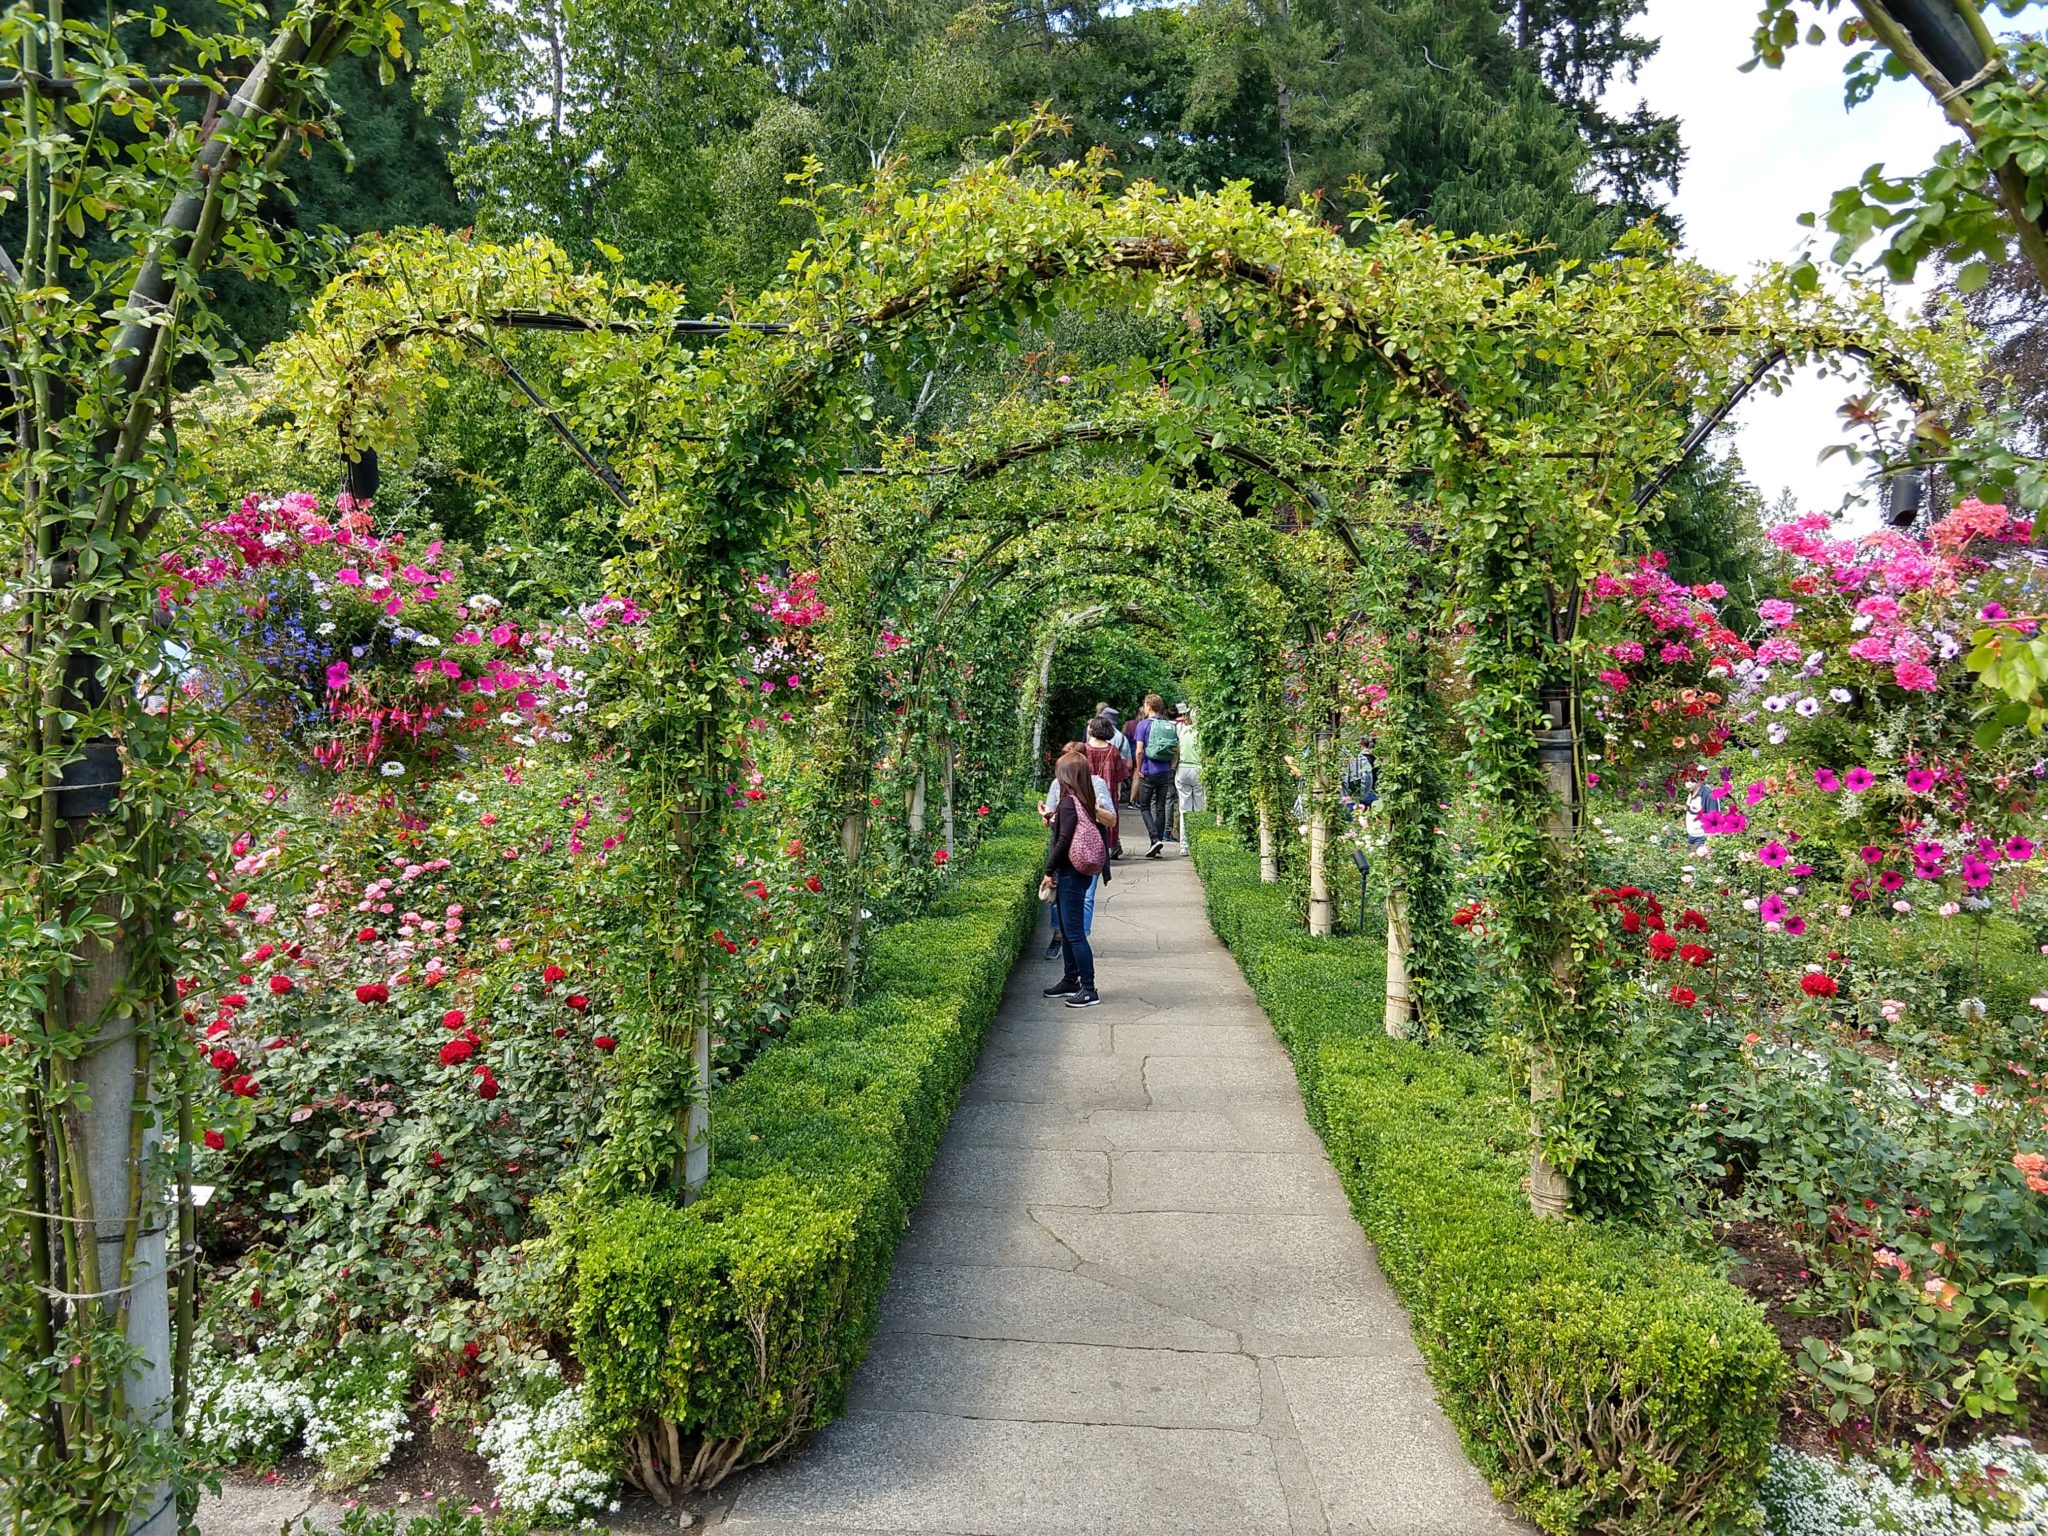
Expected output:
{"points": [[1761, 149]]}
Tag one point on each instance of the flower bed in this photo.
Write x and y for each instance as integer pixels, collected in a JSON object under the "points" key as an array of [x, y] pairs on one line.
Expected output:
{"points": [[713, 1336], [1599, 1380]]}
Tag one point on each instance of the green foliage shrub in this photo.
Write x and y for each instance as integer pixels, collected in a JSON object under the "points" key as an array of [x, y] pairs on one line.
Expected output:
{"points": [[1601, 1381], [714, 1335]]}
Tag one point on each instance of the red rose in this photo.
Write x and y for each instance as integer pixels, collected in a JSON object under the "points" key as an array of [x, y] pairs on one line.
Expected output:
{"points": [[238, 901], [487, 1087], [234, 1000], [243, 1087], [1684, 997], [454, 1018], [813, 884], [981, 810], [373, 992], [604, 1042], [577, 1001], [280, 985], [455, 1052], [1818, 984], [223, 1060], [215, 1142], [366, 936], [939, 856], [551, 975], [1662, 946], [1631, 922], [265, 951]]}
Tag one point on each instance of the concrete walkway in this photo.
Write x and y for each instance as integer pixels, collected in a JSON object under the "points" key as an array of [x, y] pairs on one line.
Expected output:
{"points": [[1134, 1299]]}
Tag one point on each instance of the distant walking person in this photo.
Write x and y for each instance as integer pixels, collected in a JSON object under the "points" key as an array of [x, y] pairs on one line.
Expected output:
{"points": [[1077, 854], [1158, 744], [1187, 779]]}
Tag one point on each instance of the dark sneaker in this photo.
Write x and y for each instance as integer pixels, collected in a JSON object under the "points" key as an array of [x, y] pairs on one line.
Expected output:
{"points": [[1157, 849], [1052, 950], [1067, 988], [1084, 997]]}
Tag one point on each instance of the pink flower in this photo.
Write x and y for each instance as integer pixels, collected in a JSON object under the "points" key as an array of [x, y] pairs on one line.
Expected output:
{"points": [[1775, 612], [2018, 848], [1857, 780], [1824, 779], [1872, 854], [1914, 676], [1773, 854], [337, 676], [1919, 780]]}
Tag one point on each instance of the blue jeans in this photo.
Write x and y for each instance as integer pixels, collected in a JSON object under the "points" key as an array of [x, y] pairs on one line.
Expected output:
{"points": [[1070, 898], [1087, 910]]}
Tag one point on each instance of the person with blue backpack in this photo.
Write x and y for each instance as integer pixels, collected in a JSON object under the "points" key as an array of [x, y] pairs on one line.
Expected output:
{"points": [[1158, 742]]}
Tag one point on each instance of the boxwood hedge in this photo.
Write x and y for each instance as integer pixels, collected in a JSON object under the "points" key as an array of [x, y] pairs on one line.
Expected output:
{"points": [[713, 1336], [1602, 1382]]}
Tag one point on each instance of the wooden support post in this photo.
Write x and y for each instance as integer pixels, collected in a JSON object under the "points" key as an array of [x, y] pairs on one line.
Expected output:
{"points": [[1322, 907], [1550, 1188], [1269, 856], [1400, 1014], [946, 767]]}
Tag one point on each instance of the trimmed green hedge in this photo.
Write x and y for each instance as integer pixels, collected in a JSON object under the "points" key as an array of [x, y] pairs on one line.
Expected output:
{"points": [[712, 1336], [1602, 1383]]}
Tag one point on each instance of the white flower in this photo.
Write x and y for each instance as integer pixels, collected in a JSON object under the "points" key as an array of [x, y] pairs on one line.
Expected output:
{"points": [[466, 796], [325, 629], [511, 717], [532, 1455], [1808, 706], [1840, 695], [426, 639], [392, 769], [1776, 703]]}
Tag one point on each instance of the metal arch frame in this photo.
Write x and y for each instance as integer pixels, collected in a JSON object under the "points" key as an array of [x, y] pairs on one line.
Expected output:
{"points": [[1884, 369]]}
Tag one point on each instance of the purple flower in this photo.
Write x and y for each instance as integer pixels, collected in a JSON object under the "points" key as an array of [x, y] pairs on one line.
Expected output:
{"points": [[1890, 880], [1795, 925], [1755, 794], [1976, 873], [1773, 854], [2018, 848], [1992, 611], [1771, 909], [1872, 854], [1858, 780], [1922, 870], [1825, 779], [1919, 780]]}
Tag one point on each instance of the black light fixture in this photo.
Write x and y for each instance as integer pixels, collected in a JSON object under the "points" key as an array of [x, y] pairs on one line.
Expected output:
{"points": [[359, 476], [1905, 496]]}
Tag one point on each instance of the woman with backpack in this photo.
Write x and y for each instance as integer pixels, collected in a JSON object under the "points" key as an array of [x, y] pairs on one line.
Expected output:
{"points": [[1078, 853]]}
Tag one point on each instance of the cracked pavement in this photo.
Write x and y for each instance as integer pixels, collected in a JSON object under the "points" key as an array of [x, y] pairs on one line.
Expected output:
{"points": [[1134, 1299]]}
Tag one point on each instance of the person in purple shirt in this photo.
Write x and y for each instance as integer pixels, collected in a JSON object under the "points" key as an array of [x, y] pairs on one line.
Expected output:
{"points": [[1158, 747]]}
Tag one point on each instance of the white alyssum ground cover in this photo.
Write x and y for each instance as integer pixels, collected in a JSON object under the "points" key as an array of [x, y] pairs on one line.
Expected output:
{"points": [[1811, 1496]]}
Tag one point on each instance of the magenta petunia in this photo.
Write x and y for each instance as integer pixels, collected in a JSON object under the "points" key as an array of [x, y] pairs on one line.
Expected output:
{"points": [[1771, 909], [1825, 780], [1772, 854], [1857, 780], [1872, 854], [2018, 848], [1976, 873], [1890, 880]]}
